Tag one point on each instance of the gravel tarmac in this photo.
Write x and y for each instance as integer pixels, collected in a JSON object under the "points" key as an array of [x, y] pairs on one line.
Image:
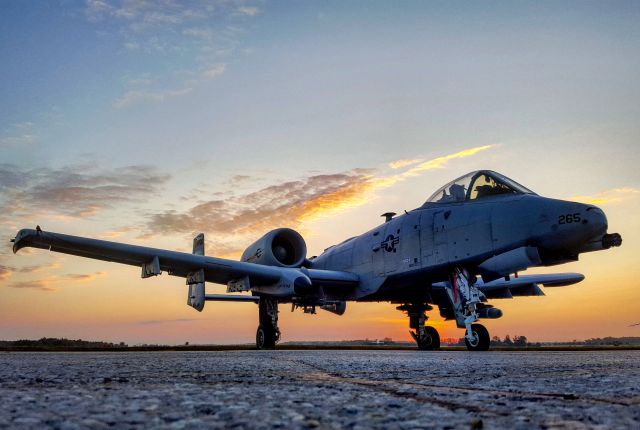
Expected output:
{"points": [[320, 389]]}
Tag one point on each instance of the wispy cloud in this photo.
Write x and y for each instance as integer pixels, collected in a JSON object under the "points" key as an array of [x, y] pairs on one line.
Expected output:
{"points": [[139, 13], [608, 197], [50, 283], [143, 93], [421, 166], [289, 203], [39, 268], [169, 321], [398, 164], [132, 97], [114, 234], [5, 272], [202, 33], [239, 218], [248, 10], [36, 284], [73, 191], [214, 71], [20, 134], [82, 276], [441, 162]]}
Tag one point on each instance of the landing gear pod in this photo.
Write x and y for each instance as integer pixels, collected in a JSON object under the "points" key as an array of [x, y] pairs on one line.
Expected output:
{"points": [[509, 262], [196, 296]]}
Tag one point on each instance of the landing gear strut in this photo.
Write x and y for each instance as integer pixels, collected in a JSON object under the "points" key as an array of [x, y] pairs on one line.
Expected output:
{"points": [[268, 332], [426, 337], [465, 298]]}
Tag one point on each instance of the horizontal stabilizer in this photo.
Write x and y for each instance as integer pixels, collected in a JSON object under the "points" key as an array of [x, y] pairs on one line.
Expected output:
{"points": [[231, 298]]}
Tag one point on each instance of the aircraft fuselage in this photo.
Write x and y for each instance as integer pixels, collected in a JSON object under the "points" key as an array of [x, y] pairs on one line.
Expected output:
{"points": [[422, 246]]}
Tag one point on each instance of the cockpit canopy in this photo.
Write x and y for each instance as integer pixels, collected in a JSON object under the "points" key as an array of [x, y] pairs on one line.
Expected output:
{"points": [[477, 185]]}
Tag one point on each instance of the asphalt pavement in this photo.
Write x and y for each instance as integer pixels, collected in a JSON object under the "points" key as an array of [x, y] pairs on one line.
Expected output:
{"points": [[320, 389]]}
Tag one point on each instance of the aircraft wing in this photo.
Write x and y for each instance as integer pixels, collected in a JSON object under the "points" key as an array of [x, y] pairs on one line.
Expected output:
{"points": [[154, 260], [526, 285]]}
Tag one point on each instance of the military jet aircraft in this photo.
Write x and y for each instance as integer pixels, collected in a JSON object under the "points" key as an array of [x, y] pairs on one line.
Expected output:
{"points": [[463, 246]]}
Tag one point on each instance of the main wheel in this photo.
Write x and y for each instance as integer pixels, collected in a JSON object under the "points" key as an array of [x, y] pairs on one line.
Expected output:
{"points": [[430, 340], [480, 340], [265, 338]]}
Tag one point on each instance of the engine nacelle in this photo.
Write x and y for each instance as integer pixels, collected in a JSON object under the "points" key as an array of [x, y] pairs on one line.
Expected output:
{"points": [[282, 247]]}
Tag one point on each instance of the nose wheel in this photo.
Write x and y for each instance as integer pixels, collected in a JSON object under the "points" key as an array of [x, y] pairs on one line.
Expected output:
{"points": [[479, 339]]}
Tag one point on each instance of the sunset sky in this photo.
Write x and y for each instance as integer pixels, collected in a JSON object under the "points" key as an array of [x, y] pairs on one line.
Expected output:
{"points": [[148, 122]]}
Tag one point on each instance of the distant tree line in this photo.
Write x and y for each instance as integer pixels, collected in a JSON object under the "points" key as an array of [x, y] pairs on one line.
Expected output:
{"points": [[522, 342], [615, 341], [507, 342], [517, 341], [57, 343]]}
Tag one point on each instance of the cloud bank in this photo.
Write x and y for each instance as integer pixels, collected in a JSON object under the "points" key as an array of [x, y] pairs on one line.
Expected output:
{"points": [[73, 191], [240, 219]]}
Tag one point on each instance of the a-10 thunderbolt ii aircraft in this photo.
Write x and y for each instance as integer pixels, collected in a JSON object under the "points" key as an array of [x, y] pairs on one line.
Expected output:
{"points": [[462, 247]]}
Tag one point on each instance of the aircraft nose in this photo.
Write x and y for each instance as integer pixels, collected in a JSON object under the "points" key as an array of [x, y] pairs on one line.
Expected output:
{"points": [[595, 221]]}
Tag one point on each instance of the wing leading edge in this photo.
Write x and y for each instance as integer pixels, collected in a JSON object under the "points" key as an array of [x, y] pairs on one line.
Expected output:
{"points": [[154, 260]]}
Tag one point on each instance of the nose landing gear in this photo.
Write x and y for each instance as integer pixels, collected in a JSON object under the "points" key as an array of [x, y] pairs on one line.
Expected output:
{"points": [[465, 297]]}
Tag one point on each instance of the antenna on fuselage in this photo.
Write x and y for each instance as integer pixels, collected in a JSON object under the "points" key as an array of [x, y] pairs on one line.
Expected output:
{"points": [[388, 216]]}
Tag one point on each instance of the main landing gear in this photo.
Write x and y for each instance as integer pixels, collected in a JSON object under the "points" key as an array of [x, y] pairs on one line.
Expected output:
{"points": [[268, 332], [426, 337]]}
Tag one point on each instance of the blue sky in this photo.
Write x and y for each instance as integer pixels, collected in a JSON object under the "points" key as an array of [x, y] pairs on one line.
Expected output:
{"points": [[364, 81], [222, 102]]}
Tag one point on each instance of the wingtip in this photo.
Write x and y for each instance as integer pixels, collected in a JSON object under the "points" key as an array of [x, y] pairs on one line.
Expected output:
{"points": [[21, 239]]}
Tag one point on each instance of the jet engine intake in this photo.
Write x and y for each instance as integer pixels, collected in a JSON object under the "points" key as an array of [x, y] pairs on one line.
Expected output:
{"points": [[282, 247]]}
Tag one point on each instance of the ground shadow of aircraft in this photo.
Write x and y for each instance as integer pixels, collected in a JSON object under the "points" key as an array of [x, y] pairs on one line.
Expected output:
{"points": [[462, 247]]}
